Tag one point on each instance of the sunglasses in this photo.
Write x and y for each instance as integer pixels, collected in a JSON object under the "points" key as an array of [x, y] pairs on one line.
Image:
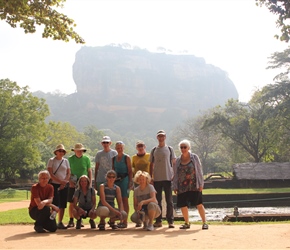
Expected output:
{"points": [[105, 142], [61, 151], [111, 176], [183, 147], [140, 146]]}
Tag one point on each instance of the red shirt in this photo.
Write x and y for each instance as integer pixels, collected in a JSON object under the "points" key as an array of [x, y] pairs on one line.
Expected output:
{"points": [[40, 192]]}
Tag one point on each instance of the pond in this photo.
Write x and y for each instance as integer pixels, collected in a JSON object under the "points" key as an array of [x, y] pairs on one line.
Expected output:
{"points": [[218, 214]]}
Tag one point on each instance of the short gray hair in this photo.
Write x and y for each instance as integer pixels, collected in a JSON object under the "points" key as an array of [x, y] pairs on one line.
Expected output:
{"points": [[43, 172], [184, 142]]}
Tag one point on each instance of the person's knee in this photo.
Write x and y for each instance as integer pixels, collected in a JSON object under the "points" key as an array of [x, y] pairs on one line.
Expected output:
{"points": [[103, 211], [134, 218], [124, 215]]}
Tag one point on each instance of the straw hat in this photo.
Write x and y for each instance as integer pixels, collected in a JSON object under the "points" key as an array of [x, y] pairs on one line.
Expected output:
{"points": [[59, 147], [79, 146]]}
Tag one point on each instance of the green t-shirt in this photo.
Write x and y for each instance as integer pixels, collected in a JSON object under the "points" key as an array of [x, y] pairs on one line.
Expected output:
{"points": [[79, 166]]}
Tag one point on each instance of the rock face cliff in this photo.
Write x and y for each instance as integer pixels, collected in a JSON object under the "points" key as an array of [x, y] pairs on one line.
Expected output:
{"points": [[136, 90]]}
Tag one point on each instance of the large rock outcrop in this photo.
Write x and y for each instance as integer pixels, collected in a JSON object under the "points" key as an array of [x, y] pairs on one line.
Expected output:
{"points": [[136, 90]]}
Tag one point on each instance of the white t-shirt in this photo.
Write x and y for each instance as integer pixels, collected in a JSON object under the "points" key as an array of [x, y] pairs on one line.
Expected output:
{"points": [[62, 170]]}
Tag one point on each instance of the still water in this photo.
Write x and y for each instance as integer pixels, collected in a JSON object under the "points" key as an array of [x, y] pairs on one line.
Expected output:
{"points": [[217, 214]]}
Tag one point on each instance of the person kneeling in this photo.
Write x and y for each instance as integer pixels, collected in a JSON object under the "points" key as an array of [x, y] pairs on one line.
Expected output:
{"points": [[41, 207], [145, 202], [84, 202], [106, 207]]}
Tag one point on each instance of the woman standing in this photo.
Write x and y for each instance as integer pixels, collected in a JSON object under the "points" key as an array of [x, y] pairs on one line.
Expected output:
{"points": [[84, 202], [106, 207], [122, 166], [41, 206], [145, 202], [188, 183], [59, 170]]}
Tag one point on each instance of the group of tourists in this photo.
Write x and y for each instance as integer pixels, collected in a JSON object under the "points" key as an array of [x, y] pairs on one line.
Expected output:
{"points": [[116, 174]]}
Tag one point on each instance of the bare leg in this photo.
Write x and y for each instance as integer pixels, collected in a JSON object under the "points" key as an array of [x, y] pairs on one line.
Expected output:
{"points": [[60, 214], [70, 210], [126, 207], [184, 211], [201, 212], [151, 216]]}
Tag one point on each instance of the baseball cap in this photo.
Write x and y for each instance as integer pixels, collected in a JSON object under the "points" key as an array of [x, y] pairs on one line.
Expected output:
{"points": [[139, 142], [161, 132], [106, 139]]}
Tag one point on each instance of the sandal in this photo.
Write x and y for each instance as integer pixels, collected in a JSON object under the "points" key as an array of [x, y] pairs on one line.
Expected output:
{"points": [[204, 226], [122, 225], [101, 227], [114, 226], [185, 226]]}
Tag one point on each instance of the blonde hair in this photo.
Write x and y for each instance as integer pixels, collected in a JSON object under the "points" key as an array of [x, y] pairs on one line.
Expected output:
{"points": [[142, 173], [185, 142], [88, 181]]}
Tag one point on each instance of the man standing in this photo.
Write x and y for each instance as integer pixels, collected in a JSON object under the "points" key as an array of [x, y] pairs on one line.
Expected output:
{"points": [[162, 158], [80, 164], [103, 162], [140, 161]]}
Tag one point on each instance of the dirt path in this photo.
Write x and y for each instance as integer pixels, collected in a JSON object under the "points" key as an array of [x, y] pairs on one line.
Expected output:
{"points": [[251, 236], [13, 205], [258, 236]]}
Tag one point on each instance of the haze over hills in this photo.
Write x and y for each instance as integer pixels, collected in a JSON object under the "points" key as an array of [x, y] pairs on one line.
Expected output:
{"points": [[137, 91]]}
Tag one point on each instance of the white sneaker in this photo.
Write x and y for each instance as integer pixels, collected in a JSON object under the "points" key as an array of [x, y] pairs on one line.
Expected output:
{"points": [[150, 227]]}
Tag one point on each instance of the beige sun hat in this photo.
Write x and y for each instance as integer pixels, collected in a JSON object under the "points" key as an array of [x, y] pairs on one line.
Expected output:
{"points": [[79, 146], [59, 147]]}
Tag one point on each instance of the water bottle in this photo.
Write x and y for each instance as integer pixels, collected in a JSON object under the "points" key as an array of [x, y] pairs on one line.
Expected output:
{"points": [[53, 215]]}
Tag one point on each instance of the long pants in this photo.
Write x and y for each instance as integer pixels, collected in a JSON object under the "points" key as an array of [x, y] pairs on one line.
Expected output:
{"points": [[166, 187], [42, 219]]}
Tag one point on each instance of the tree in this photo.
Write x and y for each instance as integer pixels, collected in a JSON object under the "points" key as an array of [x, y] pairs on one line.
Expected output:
{"points": [[58, 133], [22, 123], [93, 138], [29, 13], [282, 9], [204, 142], [246, 125]]}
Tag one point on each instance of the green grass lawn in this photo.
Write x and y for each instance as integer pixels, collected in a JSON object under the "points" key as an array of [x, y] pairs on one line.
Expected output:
{"points": [[21, 216]]}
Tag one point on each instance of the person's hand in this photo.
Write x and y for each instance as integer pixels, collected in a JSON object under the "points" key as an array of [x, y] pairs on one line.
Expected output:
{"points": [[55, 208], [140, 204], [41, 205], [175, 191], [118, 213], [71, 184]]}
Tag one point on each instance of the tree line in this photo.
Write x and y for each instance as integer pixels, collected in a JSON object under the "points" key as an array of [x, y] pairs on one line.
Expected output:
{"points": [[236, 132]]}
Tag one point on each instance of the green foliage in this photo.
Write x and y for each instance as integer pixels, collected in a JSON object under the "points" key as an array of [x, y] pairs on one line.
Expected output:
{"points": [[59, 133], [22, 119], [93, 138], [30, 13], [246, 125], [282, 9]]}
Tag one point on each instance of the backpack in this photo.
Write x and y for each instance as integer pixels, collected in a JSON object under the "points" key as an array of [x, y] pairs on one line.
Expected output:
{"points": [[171, 153]]}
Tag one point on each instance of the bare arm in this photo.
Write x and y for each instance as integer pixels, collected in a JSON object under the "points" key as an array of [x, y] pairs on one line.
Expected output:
{"points": [[90, 176], [130, 173], [96, 173]]}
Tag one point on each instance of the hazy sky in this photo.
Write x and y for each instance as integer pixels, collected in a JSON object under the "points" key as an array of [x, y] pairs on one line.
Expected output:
{"points": [[234, 35]]}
